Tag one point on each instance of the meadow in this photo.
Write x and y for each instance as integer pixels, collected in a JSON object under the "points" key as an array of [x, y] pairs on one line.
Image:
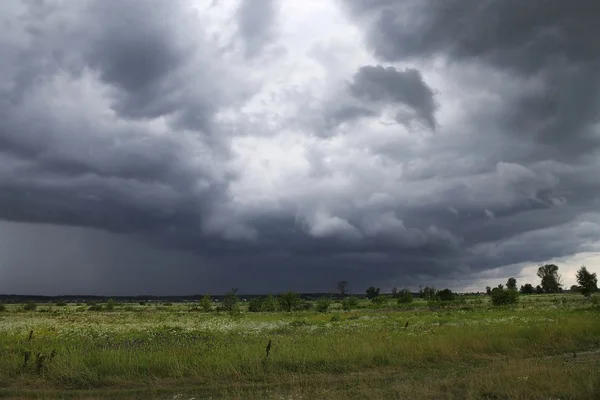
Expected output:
{"points": [[545, 347]]}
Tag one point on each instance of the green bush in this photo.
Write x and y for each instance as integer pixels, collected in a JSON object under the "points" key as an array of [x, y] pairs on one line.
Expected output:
{"points": [[206, 303], [379, 300], [446, 295], [110, 305], [30, 306], [270, 304], [289, 301], [323, 304], [349, 303], [2, 307], [255, 305], [404, 296], [60, 303], [503, 297]]}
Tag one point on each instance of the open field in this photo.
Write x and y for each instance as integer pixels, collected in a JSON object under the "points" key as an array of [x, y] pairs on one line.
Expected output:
{"points": [[547, 347]]}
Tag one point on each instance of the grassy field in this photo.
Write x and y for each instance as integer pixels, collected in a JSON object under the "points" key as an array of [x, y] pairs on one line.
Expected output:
{"points": [[547, 347]]}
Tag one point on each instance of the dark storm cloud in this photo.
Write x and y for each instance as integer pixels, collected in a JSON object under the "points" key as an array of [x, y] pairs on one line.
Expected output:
{"points": [[389, 85], [118, 117], [256, 20]]}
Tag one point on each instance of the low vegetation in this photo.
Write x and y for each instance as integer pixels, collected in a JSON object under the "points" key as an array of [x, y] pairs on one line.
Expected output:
{"points": [[433, 344]]}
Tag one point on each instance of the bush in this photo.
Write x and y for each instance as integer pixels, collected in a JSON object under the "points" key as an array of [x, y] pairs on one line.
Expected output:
{"points": [[349, 303], [206, 303], [110, 305], [30, 306], [503, 297], [404, 296], [143, 303], [270, 304], [60, 303], [255, 305], [336, 318], [95, 307], [289, 301], [446, 295], [230, 302], [2, 307], [378, 300], [323, 304]]}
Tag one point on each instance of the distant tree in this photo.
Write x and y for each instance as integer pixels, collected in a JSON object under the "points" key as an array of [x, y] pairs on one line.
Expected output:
{"points": [[372, 293], [206, 303], [527, 288], [446, 295], [551, 280], [427, 292], [575, 288], [289, 301], [539, 289], [342, 288], [587, 281], [511, 284], [488, 290], [394, 292], [500, 286], [502, 297], [404, 296]]}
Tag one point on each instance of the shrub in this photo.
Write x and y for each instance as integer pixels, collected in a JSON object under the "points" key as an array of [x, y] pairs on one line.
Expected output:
{"points": [[446, 295], [2, 307], [404, 296], [60, 303], [143, 303], [93, 306], [270, 304], [255, 305], [110, 305], [372, 292], [206, 303], [502, 297], [336, 318], [379, 300], [30, 306], [289, 301], [349, 303], [323, 304]]}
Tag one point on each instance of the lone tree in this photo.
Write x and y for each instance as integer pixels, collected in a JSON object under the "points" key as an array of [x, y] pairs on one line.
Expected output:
{"points": [[551, 280], [488, 290], [341, 287], [289, 301], [588, 283], [511, 284], [372, 293]]}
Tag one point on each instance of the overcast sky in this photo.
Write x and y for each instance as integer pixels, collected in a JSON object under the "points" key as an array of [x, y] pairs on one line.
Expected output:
{"points": [[188, 146]]}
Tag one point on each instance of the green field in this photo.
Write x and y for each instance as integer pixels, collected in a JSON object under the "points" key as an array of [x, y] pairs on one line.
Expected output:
{"points": [[546, 347]]}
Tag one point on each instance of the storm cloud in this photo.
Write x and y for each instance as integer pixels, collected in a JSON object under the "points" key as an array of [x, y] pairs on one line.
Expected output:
{"points": [[400, 143]]}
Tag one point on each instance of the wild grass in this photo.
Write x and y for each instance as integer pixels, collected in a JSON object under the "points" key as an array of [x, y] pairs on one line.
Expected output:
{"points": [[466, 349]]}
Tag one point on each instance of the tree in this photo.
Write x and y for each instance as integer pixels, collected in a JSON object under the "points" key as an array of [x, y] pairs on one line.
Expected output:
{"points": [[551, 280], [270, 304], [527, 288], [289, 301], [372, 293], [587, 281], [255, 305], [511, 284], [341, 287], [394, 292], [488, 290]]}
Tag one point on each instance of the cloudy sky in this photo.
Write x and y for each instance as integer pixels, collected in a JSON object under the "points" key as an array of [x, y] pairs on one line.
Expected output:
{"points": [[190, 146]]}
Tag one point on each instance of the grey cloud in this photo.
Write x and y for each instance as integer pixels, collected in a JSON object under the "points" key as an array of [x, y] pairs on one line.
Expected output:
{"points": [[256, 22], [389, 85]]}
